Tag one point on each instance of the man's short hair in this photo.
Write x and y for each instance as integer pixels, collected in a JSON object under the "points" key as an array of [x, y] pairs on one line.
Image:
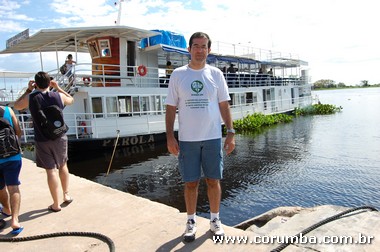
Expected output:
{"points": [[200, 35], [42, 80]]}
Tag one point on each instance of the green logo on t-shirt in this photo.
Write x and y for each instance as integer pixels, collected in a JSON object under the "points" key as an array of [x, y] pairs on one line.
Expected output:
{"points": [[197, 86]]}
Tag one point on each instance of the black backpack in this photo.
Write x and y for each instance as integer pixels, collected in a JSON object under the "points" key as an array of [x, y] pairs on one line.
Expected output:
{"points": [[63, 69], [9, 143], [50, 119]]}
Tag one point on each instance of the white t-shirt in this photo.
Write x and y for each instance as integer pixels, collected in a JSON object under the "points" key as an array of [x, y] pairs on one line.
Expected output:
{"points": [[197, 94]]}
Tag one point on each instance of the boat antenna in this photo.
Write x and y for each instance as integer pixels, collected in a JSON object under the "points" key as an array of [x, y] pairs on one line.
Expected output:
{"points": [[117, 22]]}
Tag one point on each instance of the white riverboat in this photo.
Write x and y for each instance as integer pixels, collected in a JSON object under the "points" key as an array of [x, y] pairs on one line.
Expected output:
{"points": [[120, 93]]}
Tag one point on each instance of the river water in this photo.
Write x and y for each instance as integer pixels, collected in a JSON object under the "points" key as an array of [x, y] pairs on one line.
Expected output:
{"points": [[314, 160]]}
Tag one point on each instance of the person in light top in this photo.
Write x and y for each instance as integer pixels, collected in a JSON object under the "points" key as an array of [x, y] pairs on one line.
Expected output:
{"points": [[200, 93], [69, 62]]}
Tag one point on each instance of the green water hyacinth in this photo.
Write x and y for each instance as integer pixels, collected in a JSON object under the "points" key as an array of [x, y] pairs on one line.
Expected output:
{"points": [[318, 109], [252, 123], [256, 122]]}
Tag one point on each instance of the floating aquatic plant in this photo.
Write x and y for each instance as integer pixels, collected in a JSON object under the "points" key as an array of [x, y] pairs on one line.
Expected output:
{"points": [[254, 123], [318, 109]]}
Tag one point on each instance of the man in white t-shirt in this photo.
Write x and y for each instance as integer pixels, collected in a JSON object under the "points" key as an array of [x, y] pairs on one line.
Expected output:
{"points": [[200, 93]]}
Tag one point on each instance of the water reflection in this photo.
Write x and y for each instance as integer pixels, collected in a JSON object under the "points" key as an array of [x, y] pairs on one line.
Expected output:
{"points": [[311, 161], [152, 173]]}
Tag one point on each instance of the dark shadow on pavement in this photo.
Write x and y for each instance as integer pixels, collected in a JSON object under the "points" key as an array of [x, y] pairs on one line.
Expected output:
{"points": [[187, 246], [33, 214]]}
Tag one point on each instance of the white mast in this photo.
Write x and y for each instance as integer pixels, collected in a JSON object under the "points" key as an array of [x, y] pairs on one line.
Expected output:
{"points": [[119, 13]]}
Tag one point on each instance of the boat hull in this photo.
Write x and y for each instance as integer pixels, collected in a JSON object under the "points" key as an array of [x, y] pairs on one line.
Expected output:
{"points": [[104, 144]]}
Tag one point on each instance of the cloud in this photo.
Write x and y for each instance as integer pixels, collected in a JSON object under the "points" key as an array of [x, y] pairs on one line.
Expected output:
{"points": [[338, 38]]}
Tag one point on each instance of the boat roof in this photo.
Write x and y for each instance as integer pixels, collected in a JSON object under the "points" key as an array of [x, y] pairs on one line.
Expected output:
{"points": [[63, 39], [10, 74], [285, 62]]}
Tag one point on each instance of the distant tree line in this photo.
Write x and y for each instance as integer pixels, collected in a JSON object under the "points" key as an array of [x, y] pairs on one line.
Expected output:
{"points": [[324, 84]]}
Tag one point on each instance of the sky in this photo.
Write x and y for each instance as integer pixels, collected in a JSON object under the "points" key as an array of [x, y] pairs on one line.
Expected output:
{"points": [[338, 38]]}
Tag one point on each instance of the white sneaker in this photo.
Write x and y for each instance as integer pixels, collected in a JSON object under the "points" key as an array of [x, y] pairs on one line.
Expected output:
{"points": [[191, 229], [216, 227]]}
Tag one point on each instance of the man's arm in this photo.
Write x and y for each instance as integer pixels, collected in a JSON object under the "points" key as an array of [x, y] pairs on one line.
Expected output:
{"points": [[23, 101], [229, 143], [16, 124], [171, 142], [67, 99]]}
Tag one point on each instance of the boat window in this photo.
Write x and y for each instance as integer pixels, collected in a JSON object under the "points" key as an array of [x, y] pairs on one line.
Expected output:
{"points": [[163, 99], [111, 105], [157, 105], [249, 98], [144, 100], [254, 98], [136, 105], [270, 92], [97, 107], [292, 94], [125, 106], [242, 98], [93, 48], [105, 48]]}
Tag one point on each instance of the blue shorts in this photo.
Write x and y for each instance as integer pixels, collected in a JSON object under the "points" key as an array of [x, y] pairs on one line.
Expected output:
{"points": [[9, 173], [202, 156]]}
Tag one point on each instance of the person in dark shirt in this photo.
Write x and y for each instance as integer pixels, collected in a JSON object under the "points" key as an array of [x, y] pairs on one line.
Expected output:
{"points": [[50, 154]]}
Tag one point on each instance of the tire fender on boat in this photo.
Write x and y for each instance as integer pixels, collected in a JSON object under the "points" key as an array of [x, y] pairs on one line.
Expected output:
{"points": [[142, 70]]}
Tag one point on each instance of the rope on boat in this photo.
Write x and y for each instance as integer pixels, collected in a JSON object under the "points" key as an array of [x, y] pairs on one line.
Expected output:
{"points": [[113, 153], [99, 236], [325, 221]]}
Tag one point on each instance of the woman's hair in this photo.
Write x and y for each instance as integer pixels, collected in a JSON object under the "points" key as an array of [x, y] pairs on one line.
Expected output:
{"points": [[200, 35], [69, 56], [42, 80]]}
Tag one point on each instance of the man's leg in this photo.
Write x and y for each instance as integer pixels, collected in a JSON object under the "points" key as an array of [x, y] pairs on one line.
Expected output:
{"points": [[4, 200], [64, 177], [214, 193], [15, 199], [191, 196], [53, 183]]}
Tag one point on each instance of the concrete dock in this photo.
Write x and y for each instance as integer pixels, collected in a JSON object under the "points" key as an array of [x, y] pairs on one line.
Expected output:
{"points": [[136, 224], [132, 223]]}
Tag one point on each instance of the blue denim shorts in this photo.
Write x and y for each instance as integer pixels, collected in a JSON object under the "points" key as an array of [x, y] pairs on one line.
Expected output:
{"points": [[9, 173], [197, 157]]}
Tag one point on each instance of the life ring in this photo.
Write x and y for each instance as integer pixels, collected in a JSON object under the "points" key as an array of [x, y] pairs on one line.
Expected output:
{"points": [[142, 70], [86, 80]]}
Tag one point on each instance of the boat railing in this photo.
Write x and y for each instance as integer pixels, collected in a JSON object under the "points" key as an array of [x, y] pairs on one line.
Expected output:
{"points": [[107, 75], [257, 80], [249, 51], [268, 107], [100, 125]]}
